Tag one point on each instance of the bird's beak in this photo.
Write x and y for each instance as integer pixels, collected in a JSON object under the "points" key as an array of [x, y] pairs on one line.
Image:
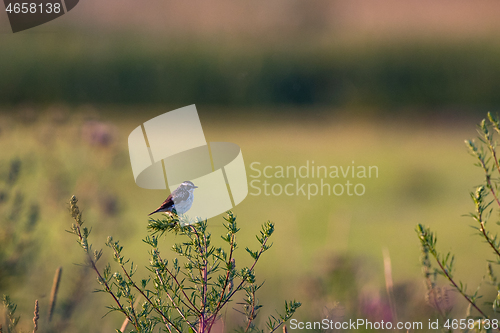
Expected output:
{"points": [[196, 187]]}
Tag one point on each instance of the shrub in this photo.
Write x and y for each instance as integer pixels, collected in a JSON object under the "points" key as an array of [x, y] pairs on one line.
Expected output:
{"points": [[188, 293], [486, 199]]}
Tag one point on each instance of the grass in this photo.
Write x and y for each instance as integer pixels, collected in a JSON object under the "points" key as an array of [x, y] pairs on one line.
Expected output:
{"points": [[425, 174]]}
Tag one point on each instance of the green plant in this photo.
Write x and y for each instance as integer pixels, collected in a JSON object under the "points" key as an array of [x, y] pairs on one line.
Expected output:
{"points": [[10, 310], [486, 201], [11, 320], [188, 293], [18, 220]]}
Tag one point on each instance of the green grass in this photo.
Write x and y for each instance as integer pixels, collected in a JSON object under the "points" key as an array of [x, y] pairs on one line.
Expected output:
{"points": [[425, 174]]}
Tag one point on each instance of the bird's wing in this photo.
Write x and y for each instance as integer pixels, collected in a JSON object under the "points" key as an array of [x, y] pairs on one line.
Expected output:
{"points": [[167, 204], [181, 196]]}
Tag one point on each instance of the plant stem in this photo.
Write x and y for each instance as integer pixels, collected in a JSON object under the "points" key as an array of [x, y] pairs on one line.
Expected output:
{"points": [[171, 300], [218, 307], [53, 293], [192, 307], [459, 289], [488, 181], [108, 289], [490, 242], [251, 317], [165, 319], [243, 280]]}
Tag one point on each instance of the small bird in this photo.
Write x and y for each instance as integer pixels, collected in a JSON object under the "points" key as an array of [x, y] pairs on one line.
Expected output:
{"points": [[179, 201]]}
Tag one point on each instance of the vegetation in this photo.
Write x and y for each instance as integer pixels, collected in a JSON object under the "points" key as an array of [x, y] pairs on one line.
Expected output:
{"points": [[128, 71], [487, 204], [57, 159], [182, 295], [18, 219]]}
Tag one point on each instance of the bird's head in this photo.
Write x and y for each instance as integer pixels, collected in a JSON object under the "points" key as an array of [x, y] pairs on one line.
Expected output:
{"points": [[189, 186]]}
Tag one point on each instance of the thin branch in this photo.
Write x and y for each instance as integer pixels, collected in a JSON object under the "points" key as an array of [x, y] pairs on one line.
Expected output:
{"points": [[431, 288], [205, 280], [488, 239], [226, 282], [229, 262], [101, 279], [471, 302], [171, 300], [488, 181], [144, 295], [494, 154], [252, 314], [126, 321], [243, 280], [203, 273], [192, 307]]}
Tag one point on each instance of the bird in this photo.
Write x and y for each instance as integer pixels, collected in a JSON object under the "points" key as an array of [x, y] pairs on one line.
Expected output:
{"points": [[179, 201]]}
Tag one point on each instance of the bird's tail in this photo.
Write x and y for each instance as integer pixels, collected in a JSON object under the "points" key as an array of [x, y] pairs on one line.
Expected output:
{"points": [[156, 211], [159, 209]]}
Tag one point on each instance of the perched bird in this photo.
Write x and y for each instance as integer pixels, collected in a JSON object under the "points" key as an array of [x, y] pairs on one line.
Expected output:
{"points": [[179, 200]]}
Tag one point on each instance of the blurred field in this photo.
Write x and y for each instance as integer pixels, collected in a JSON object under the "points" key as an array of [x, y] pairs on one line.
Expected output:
{"points": [[394, 84], [425, 174], [405, 57], [77, 68]]}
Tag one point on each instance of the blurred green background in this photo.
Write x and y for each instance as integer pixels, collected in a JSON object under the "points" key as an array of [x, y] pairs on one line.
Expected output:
{"points": [[397, 85]]}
